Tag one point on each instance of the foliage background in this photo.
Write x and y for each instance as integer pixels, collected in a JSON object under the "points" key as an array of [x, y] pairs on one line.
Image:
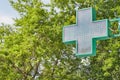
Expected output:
{"points": [[33, 49]]}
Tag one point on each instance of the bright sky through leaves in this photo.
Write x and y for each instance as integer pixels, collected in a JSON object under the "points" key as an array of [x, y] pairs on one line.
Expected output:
{"points": [[7, 12]]}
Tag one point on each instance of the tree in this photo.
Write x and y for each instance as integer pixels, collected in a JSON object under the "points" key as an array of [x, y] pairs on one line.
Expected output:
{"points": [[34, 49]]}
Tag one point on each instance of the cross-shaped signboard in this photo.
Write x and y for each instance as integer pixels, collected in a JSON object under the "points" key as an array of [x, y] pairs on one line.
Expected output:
{"points": [[85, 32]]}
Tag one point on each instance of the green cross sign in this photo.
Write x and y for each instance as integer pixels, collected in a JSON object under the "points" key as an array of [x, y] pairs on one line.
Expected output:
{"points": [[85, 32]]}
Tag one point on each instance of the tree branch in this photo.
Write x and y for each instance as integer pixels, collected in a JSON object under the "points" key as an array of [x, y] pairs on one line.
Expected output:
{"points": [[36, 69]]}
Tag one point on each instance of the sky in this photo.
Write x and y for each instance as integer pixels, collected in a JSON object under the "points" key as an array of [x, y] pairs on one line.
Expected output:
{"points": [[7, 13]]}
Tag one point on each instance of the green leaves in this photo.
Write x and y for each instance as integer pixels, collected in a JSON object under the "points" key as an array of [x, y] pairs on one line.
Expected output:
{"points": [[35, 49]]}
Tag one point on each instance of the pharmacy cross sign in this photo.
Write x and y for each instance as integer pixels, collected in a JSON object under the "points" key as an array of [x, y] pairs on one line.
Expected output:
{"points": [[85, 32]]}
